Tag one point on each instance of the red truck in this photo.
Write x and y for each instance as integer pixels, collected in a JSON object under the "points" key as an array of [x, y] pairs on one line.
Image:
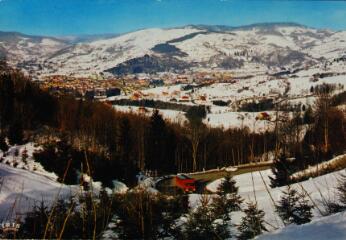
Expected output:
{"points": [[186, 183]]}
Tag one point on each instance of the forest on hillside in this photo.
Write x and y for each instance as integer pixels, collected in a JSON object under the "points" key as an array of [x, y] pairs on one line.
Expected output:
{"points": [[116, 145]]}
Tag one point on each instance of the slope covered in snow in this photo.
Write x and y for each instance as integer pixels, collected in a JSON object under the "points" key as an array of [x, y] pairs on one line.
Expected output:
{"points": [[28, 52], [27, 188], [265, 47], [256, 187], [25, 183], [100, 55], [331, 227]]}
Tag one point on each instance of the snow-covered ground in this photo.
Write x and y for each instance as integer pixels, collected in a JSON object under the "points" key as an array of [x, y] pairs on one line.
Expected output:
{"points": [[312, 170], [252, 187], [332, 227], [171, 115], [26, 188], [250, 90], [22, 185], [239, 120], [205, 48], [14, 158], [257, 48]]}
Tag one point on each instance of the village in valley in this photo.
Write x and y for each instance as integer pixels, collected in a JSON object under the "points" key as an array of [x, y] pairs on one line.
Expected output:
{"points": [[127, 120], [233, 98]]}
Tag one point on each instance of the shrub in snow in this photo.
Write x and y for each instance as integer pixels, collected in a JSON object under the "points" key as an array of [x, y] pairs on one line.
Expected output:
{"points": [[227, 185], [294, 207], [228, 190], [25, 156], [16, 152], [203, 223], [252, 224], [281, 172], [342, 190], [90, 213], [144, 215], [35, 221], [332, 207], [222, 207]]}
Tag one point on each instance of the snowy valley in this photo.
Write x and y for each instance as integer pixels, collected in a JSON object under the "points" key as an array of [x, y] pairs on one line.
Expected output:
{"points": [[193, 132]]}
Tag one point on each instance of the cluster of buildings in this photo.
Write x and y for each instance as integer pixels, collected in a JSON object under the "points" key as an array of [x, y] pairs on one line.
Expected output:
{"points": [[81, 87], [103, 87]]}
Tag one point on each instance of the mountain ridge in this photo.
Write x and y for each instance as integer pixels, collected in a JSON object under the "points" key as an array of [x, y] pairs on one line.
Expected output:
{"points": [[262, 46]]}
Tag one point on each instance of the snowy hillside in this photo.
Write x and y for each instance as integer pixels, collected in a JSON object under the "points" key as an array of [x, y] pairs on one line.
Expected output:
{"points": [[331, 227], [103, 54], [297, 91], [25, 183], [266, 47], [319, 188], [27, 52], [28, 188]]}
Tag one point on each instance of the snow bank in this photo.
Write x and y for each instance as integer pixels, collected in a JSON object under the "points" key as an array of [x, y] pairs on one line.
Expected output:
{"points": [[313, 170], [331, 227], [119, 187], [29, 188]]}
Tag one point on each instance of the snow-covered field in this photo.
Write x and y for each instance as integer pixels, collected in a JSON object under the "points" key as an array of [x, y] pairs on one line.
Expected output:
{"points": [[249, 90], [171, 115]]}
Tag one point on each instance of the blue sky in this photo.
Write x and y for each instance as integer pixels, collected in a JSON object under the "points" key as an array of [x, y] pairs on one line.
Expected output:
{"points": [[73, 17]]}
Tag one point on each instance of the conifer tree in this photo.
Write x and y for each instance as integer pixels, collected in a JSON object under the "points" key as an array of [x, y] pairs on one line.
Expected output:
{"points": [[252, 224], [15, 133], [340, 205], [157, 136], [281, 172], [228, 190], [3, 144], [221, 207], [294, 207], [228, 185], [35, 221], [202, 223]]}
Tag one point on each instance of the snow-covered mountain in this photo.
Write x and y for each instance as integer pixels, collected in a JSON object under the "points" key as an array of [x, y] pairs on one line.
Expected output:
{"points": [[260, 46], [25, 51]]}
